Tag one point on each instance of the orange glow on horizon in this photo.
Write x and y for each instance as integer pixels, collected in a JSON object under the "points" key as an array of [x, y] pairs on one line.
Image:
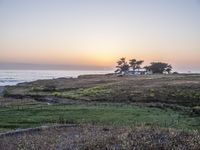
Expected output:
{"points": [[98, 58]]}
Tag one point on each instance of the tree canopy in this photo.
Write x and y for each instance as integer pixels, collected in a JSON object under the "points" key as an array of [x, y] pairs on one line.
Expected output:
{"points": [[159, 67], [122, 66], [155, 67], [134, 64]]}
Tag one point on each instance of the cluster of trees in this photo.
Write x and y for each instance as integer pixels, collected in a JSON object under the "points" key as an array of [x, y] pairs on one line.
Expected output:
{"points": [[155, 67], [159, 67], [123, 66]]}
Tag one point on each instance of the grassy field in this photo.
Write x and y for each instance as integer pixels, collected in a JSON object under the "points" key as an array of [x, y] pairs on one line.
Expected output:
{"points": [[25, 116], [104, 99], [148, 112], [183, 90]]}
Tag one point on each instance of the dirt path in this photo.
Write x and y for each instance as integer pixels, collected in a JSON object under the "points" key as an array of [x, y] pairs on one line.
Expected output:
{"points": [[31, 130]]}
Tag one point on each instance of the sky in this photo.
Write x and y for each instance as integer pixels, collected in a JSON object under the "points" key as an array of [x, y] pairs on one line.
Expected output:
{"points": [[97, 33]]}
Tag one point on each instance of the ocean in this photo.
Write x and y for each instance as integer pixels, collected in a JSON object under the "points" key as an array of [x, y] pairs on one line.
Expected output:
{"points": [[13, 77]]}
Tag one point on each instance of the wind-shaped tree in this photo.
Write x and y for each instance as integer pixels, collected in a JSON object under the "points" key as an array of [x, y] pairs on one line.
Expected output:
{"points": [[134, 64], [138, 64], [122, 66], [159, 67]]}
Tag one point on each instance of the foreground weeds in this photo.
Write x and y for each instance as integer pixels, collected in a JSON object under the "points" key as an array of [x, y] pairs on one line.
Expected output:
{"points": [[89, 137]]}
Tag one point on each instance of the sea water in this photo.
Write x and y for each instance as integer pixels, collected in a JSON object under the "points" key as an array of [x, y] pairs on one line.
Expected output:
{"points": [[13, 77]]}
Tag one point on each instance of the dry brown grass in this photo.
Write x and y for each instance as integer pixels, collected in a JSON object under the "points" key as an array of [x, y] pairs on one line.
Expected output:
{"points": [[89, 137]]}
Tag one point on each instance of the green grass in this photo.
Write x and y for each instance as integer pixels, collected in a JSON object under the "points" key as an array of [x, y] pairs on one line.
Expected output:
{"points": [[32, 116], [86, 93]]}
